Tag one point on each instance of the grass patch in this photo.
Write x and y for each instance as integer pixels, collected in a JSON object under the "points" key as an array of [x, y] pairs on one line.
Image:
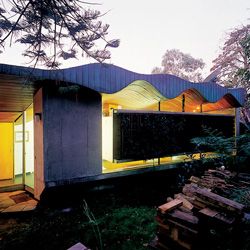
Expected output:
{"points": [[119, 226], [126, 227]]}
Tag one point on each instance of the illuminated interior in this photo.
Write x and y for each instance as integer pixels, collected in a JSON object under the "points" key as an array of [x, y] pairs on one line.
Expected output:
{"points": [[109, 167], [18, 149], [6, 151], [12, 166], [142, 96]]}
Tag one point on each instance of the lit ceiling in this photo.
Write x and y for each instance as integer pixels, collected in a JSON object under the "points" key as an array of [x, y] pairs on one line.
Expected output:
{"points": [[142, 95]]}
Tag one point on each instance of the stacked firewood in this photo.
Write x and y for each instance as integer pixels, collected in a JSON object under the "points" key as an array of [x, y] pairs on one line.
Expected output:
{"points": [[186, 219]]}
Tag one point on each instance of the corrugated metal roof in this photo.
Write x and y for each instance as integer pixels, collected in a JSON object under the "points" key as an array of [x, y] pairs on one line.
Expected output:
{"points": [[109, 79]]}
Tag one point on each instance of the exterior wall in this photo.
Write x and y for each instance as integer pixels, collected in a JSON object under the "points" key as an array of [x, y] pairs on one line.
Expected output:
{"points": [[72, 134], [38, 144]]}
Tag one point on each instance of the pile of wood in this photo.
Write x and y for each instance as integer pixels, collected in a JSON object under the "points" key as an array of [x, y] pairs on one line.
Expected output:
{"points": [[186, 219]]}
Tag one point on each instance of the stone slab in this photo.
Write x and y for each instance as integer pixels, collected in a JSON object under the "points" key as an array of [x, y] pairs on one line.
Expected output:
{"points": [[6, 203], [78, 246]]}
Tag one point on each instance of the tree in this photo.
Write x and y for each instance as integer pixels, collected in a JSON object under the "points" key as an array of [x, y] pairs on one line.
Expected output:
{"points": [[180, 64], [54, 30], [232, 64], [244, 73]]}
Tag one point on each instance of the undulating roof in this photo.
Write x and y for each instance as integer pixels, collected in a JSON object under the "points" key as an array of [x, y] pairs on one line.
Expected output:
{"points": [[109, 79]]}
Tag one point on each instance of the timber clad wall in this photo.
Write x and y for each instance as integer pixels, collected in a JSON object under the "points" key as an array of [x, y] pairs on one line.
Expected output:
{"points": [[72, 134], [38, 145]]}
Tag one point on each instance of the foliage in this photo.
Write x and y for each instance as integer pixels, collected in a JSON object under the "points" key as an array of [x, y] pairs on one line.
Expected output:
{"points": [[241, 195], [232, 64], [245, 43], [53, 29], [125, 218], [92, 221], [180, 64], [244, 73], [126, 227], [224, 147]]}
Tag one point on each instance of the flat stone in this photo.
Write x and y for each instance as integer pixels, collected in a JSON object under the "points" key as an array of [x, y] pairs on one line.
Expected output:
{"points": [[6, 203], [78, 246], [5, 199], [29, 208], [2, 195], [32, 202], [14, 208]]}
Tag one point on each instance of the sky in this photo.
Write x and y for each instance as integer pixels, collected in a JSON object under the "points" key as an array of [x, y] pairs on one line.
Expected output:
{"points": [[148, 28]]}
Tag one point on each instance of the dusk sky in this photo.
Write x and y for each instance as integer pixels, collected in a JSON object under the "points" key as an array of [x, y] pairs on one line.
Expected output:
{"points": [[148, 28]]}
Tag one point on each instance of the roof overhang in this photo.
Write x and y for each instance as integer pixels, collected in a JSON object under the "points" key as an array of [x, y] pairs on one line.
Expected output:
{"points": [[18, 85], [16, 94]]}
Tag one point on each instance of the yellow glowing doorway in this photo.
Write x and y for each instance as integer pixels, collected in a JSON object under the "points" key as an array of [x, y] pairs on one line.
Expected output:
{"points": [[6, 151]]}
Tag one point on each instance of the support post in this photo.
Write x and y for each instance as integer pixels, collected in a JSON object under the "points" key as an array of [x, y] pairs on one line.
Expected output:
{"points": [[159, 109], [183, 103], [236, 133], [24, 151], [237, 121]]}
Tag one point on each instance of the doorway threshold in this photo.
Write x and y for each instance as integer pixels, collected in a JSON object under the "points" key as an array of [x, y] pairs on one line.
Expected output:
{"points": [[10, 188], [29, 189]]}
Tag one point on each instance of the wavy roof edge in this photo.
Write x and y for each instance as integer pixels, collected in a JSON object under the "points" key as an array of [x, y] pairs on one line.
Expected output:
{"points": [[108, 78]]}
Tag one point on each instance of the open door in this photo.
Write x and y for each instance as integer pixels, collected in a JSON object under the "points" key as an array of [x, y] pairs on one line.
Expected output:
{"points": [[6, 151], [29, 147]]}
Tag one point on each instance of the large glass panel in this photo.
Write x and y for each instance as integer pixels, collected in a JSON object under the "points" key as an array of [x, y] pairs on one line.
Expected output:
{"points": [[29, 147], [18, 150]]}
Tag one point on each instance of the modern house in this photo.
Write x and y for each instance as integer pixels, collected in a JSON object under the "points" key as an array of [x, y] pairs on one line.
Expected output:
{"points": [[88, 122]]}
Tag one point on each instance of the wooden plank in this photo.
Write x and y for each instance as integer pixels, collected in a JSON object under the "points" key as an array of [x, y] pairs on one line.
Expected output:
{"points": [[194, 179], [169, 199], [187, 204], [185, 210], [219, 217], [198, 204], [219, 200], [189, 189], [162, 245], [181, 226], [174, 234], [205, 203], [184, 217], [208, 212], [225, 219], [167, 207], [164, 226], [173, 240]]}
